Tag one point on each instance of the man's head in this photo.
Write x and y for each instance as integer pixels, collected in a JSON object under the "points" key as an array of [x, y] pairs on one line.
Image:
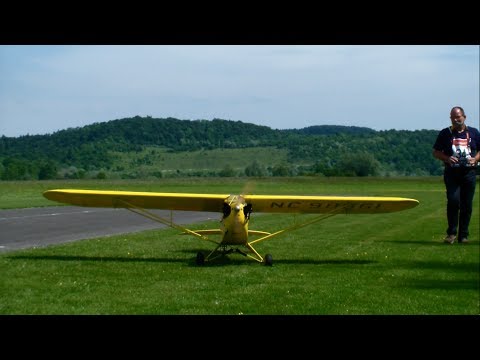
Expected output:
{"points": [[457, 115]]}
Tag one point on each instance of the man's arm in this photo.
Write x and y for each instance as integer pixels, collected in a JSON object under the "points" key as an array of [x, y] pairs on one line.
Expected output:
{"points": [[474, 159], [450, 160]]}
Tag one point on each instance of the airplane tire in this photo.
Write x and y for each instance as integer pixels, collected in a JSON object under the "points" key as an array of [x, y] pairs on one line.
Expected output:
{"points": [[200, 258], [268, 260]]}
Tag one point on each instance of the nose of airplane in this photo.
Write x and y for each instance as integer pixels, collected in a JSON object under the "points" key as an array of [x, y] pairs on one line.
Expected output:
{"points": [[238, 207]]}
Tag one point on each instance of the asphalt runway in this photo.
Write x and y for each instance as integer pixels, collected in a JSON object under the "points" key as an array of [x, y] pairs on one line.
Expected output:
{"points": [[38, 227]]}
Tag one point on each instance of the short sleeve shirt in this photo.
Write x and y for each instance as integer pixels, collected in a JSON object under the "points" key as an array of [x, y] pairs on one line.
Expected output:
{"points": [[451, 142]]}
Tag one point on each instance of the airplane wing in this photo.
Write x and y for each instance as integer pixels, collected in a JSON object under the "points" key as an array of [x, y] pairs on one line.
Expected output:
{"points": [[327, 204], [145, 200], [214, 202]]}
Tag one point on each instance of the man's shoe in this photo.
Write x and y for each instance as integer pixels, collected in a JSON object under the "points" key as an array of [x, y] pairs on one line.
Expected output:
{"points": [[449, 239], [463, 241]]}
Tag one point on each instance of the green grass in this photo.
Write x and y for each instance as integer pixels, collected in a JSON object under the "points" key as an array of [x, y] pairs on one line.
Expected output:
{"points": [[348, 264]]}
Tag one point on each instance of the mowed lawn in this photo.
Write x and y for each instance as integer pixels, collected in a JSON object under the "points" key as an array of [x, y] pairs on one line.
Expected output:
{"points": [[348, 264]]}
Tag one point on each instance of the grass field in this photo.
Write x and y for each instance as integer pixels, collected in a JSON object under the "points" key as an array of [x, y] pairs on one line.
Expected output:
{"points": [[153, 158], [348, 264]]}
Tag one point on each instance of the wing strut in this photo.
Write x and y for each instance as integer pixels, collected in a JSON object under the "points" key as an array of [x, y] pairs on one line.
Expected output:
{"points": [[298, 226], [154, 217]]}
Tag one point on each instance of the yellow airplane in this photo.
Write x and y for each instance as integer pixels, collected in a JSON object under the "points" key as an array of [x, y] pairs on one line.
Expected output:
{"points": [[236, 210]]}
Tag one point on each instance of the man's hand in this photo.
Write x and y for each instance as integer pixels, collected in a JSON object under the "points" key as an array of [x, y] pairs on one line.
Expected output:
{"points": [[452, 160], [472, 161]]}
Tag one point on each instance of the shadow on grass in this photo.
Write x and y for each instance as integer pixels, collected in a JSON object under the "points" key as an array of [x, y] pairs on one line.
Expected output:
{"points": [[430, 284], [441, 266], [93, 258], [221, 261], [227, 260], [430, 242], [237, 259]]}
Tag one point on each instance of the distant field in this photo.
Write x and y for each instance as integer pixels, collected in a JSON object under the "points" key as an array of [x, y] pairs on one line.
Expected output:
{"points": [[153, 158], [364, 264]]}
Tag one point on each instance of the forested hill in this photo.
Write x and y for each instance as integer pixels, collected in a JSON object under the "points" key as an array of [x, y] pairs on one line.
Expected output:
{"points": [[322, 149], [127, 134]]}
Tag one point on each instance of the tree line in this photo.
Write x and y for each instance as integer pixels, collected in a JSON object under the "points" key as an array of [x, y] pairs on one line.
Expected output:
{"points": [[328, 150]]}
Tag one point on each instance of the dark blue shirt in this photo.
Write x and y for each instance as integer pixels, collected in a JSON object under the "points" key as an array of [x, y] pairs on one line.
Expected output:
{"points": [[449, 140]]}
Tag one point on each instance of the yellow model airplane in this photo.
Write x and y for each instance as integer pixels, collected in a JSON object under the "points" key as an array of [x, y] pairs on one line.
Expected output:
{"points": [[236, 210]]}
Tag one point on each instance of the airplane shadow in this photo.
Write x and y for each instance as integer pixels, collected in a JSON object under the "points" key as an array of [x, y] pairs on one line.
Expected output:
{"points": [[221, 261], [93, 258], [236, 259]]}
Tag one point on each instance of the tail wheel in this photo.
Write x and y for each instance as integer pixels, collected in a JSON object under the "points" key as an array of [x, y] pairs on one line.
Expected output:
{"points": [[200, 258], [268, 260]]}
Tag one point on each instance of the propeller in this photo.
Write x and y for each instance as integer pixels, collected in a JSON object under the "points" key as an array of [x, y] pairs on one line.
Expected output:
{"points": [[248, 188]]}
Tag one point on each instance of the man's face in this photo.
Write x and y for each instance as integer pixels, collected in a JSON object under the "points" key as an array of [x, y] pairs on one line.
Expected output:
{"points": [[457, 118]]}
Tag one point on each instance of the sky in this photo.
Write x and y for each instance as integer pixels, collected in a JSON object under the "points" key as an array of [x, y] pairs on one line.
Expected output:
{"points": [[47, 88]]}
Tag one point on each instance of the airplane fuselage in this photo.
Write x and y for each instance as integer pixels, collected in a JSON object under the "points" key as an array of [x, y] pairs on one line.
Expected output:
{"points": [[235, 221]]}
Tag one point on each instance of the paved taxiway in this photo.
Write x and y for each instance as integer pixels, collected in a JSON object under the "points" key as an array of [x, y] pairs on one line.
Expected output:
{"points": [[36, 227]]}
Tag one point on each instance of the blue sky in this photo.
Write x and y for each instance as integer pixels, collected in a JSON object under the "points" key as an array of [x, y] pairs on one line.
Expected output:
{"points": [[44, 89]]}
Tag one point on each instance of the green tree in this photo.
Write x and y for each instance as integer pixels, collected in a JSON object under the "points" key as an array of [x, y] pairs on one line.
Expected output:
{"points": [[47, 171], [255, 169], [227, 171], [101, 175], [281, 170], [15, 169], [360, 164]]}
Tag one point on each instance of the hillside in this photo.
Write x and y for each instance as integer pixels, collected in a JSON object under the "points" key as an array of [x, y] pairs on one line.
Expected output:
{"points": [[143, 147]]}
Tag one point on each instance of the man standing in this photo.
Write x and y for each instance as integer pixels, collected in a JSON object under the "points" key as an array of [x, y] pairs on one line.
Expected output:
{"points": [[458, 147]]}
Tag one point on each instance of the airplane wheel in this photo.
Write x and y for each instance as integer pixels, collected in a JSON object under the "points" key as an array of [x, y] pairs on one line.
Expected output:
{"points": [[268, 260], [200, 258]]}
